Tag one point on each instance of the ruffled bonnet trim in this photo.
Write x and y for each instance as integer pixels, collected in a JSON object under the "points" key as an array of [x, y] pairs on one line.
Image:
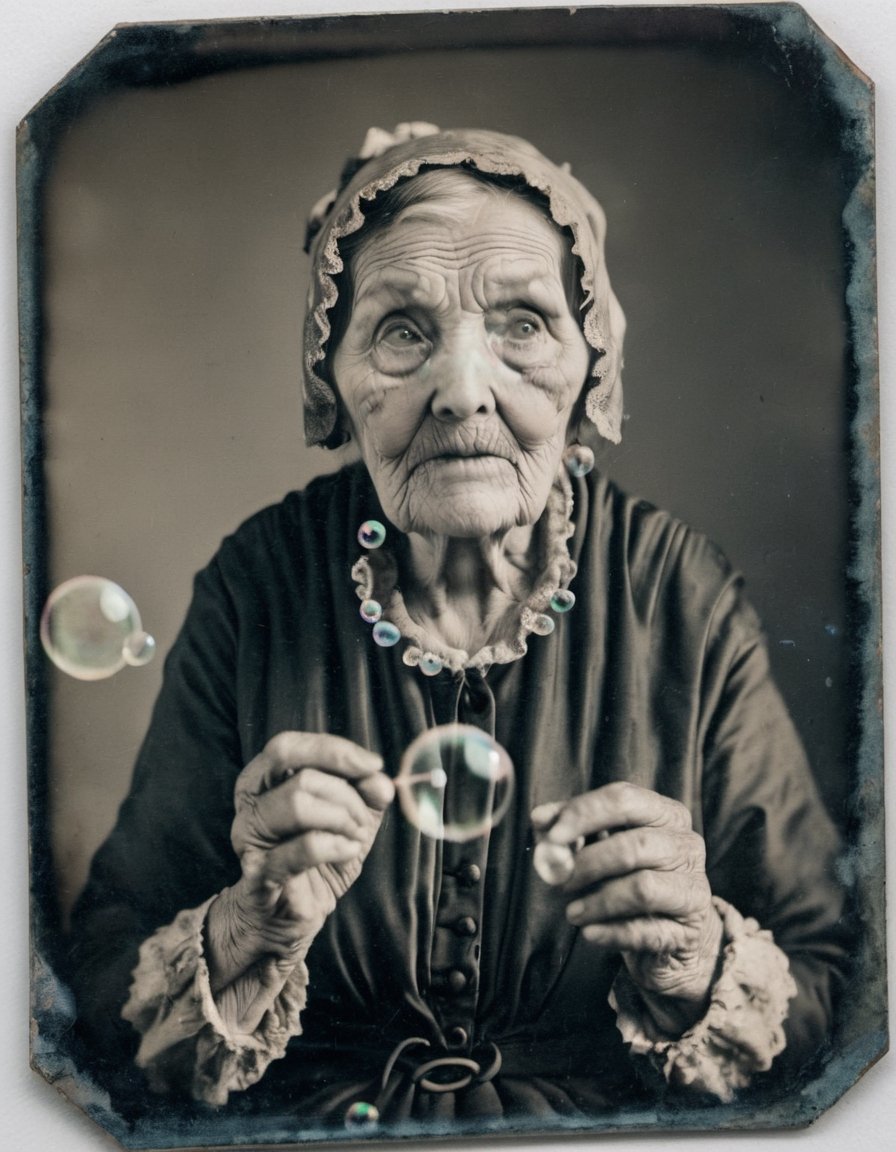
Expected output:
{"points": [[404, 154]]}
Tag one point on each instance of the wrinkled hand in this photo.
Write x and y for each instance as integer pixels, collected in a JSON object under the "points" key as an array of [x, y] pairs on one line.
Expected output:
{"points": [[638, 885], [308, 808]]}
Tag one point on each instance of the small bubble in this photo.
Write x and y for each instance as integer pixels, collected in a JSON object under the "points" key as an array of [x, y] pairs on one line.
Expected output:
{"points": [[371, 534], [90, 628], [828, 682], [563, 600], [386, 634], [541, 624], [362, 1117], [554, 863], [371, 611], [430, 664], [139, 649], [455, 782]]}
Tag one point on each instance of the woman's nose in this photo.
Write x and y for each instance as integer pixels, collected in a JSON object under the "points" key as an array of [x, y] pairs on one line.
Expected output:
{"points": [[464, 379]]}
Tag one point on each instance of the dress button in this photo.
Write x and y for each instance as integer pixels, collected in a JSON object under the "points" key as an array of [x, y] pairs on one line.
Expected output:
{"points": [[457, 981], [466, 926], [457, 1037], [469, 874]]}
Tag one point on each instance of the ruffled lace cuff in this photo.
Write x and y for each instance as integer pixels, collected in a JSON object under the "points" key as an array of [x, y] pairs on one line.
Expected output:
{"points": [[186, 1043], [741, 1032]]}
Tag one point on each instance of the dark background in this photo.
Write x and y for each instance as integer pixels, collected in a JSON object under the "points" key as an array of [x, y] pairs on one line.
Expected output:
{"points": [[174, 286]]}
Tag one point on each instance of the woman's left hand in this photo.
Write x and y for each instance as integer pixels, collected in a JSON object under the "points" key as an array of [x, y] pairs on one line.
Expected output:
{"points": [[638, 885]]}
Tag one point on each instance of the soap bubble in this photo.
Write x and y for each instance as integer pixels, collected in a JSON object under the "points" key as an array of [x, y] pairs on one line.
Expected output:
{"points": [[455, 782], [362, 1117], [90, 628], [554, 863], [139, 649]]}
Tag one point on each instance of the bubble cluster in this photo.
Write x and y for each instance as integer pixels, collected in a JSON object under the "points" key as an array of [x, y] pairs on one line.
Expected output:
{"points": [[455, 782], [90, 628]]}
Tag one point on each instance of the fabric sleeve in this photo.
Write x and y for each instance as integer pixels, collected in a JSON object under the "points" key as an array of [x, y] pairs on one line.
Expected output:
{"points": [[189, 1042], [742, 1030], [170, 848], [772, 849]]}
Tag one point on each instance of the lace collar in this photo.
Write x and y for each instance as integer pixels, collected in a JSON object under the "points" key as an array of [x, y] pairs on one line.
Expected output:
{"points": [[376, 576]]}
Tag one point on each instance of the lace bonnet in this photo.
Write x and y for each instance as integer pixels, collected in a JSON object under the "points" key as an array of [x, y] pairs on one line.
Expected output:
{"points": [[384, 160]]}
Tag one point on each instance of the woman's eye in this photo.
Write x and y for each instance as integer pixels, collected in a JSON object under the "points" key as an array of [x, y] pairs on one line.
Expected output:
{"points": [[399, 346], [524, 327], [400, 335], [521, 338]]}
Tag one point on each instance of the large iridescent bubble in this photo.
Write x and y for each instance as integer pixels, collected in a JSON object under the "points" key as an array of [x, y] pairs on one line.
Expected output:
{"points": [[91, 629], [455, 782]]}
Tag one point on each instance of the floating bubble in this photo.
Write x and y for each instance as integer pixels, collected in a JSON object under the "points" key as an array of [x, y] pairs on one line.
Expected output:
{"points": [[455, 782], [139, 649], [90, 628], [554, 863], [563, 600], [541, 624], [386, 634], [430, 664], [371, 611], [371, 534], [362, 1117]]}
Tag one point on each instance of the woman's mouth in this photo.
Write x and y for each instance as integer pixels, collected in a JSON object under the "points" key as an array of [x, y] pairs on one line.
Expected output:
{"points": [[460, 448]]}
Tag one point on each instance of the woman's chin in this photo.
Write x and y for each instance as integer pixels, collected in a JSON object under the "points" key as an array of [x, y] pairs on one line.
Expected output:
{"points": [[469, 520]]}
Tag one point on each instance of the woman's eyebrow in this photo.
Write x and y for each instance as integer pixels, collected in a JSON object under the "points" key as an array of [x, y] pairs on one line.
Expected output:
{"points": [[507, 290], [399, 286], [420, 214]]}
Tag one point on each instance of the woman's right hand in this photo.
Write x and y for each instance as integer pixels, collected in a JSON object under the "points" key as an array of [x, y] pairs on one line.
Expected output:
{"points": [[308, 808]]}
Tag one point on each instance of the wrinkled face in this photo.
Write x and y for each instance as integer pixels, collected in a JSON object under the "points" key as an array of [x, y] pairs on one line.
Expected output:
{"points": [[461, 362]]}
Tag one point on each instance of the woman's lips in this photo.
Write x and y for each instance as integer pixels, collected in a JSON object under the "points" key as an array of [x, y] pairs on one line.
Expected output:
{"points": [[461, 445], [465, 460]]}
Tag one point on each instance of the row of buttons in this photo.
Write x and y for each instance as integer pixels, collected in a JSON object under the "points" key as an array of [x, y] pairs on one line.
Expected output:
{"points": [[456, 982], [468, 875]]}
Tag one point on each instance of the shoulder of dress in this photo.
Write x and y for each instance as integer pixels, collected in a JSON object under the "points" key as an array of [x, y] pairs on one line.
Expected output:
{"points": [[656, 549], [306, 525], [312, 504]]}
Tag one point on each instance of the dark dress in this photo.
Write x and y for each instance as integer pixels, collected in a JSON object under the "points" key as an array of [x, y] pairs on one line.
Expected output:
{"points": [[658, 676]]}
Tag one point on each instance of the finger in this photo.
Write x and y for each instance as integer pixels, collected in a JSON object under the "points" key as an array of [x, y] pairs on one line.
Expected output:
{"points": [[377, 791], [544, 815], [654, 934], [282, 810], [309, 850], [617, 805], [266, 825], [287, 752], [679, 895], [634, 850]]}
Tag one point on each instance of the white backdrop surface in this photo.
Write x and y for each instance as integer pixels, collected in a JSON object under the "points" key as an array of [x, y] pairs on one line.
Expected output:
{"points": [[40, 40]]}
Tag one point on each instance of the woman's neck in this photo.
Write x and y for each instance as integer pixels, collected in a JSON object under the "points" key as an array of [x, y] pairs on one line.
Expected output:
{"points": [[462, 590]]}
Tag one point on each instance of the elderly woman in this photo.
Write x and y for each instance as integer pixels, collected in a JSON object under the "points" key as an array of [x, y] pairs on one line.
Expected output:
{"points": [[264, 926]]}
